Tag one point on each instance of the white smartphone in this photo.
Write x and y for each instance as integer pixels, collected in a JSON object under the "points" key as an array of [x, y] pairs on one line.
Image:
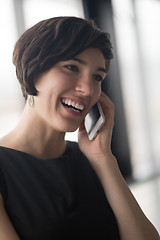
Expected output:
{"points": [[94, 121]]}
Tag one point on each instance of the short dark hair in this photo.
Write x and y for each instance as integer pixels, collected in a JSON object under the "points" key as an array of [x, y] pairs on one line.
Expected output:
{"points": [[53, 40]]}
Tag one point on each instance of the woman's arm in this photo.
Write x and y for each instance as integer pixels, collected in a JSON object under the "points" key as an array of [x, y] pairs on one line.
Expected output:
{"points": [[7, 231], [132, 222]]}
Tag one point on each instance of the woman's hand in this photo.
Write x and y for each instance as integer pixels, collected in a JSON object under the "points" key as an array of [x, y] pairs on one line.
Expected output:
{"points": [[96, 150], [132, 222]]}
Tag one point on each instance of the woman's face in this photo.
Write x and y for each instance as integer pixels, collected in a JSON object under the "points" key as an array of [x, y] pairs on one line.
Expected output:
{"points": [[69, 89]]}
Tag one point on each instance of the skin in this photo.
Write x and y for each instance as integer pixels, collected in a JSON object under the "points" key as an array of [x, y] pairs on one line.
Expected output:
{"points": [[48, 121]]}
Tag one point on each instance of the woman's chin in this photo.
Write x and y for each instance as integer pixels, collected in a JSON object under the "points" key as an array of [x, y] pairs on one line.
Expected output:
{"points": [[73, 129]]}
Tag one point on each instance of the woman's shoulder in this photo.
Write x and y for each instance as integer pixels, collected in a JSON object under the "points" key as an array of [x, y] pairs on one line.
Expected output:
{"points": [[5, 141], [3, 147], [9, 153], [2, 142]]}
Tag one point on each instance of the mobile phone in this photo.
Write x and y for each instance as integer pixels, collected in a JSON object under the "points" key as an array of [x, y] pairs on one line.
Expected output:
{"points": [[94, 121]]}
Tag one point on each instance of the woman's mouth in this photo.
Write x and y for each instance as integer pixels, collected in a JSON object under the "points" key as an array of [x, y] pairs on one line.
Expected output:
{"points": [[75, 106]]}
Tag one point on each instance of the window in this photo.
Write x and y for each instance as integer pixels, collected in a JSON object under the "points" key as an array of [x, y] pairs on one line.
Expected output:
{"points": [[138, 36]]}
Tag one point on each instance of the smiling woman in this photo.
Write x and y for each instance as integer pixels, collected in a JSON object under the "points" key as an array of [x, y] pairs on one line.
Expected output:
{"points": [[51, 188], [70, 84]]}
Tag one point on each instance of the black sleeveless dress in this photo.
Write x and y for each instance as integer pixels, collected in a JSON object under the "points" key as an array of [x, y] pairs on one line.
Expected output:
{"points": [[55, 199]]}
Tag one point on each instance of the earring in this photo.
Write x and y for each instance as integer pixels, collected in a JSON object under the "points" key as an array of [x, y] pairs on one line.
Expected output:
{"points": [[31, 101]]}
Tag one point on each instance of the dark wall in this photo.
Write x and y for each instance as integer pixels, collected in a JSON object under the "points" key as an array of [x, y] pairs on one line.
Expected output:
{"points": [[101, 12]]}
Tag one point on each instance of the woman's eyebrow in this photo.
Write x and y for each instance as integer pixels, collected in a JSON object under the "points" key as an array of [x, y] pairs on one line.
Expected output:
{"points": [[101, 69]]}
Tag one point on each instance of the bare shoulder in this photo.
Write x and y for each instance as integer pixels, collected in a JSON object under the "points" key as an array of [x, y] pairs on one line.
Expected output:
{"points": [[6, 141], [7, 231]]}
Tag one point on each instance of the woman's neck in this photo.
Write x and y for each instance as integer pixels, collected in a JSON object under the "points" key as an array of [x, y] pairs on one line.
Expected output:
{"points": [[32, 135]]}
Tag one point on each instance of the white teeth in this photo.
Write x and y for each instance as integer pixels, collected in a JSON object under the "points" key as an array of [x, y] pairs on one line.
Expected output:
{"points": [[69, 102], [73, 104], [65, 101], [79, 106]]}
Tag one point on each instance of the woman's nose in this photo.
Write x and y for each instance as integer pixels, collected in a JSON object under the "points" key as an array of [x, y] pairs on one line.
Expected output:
{"points": [[85, 86]]}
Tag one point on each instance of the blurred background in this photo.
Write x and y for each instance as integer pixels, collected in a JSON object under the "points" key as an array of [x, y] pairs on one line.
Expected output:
{"points": [[133, 83]]}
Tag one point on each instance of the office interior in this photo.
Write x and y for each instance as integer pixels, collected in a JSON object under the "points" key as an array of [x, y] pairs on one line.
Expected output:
{"points": [[132, 83]]}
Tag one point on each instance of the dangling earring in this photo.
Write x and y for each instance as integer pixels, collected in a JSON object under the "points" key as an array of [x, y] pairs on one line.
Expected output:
{"points": [[31, 101]]}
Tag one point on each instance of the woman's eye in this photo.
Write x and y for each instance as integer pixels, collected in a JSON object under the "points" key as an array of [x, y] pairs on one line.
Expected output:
{"points": [[98, 77], [73, 68]]}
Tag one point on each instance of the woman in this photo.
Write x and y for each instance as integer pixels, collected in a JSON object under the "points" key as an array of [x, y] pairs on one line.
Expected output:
{"points": [[50, 188]]}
